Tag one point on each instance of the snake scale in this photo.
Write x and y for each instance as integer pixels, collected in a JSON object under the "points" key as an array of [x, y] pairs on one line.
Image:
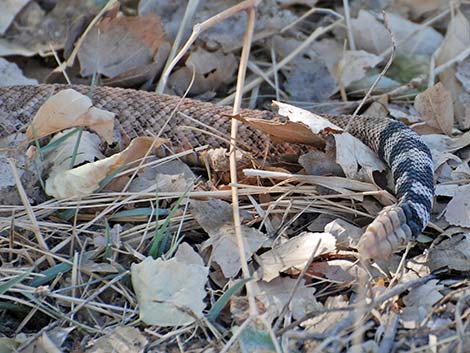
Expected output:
{"points": [[137, 112]]}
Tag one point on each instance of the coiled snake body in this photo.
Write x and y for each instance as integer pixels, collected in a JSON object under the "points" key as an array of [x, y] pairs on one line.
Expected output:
{"points": [[137, 111]]}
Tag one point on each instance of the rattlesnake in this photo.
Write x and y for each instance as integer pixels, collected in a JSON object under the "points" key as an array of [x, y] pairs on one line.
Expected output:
{"points": [[402, 149]]}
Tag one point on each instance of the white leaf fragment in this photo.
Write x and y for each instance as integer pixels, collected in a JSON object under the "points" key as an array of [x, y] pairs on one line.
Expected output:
{"points": [[295, 253], [170, 292]]}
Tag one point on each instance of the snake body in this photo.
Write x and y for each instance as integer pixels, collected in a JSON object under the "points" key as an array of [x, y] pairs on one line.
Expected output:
{"points": [[402, 149]]}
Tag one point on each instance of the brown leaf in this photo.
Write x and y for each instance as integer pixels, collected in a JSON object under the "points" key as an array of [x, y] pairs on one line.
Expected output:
{"points": [[141, 74], [436, 108], [457, 40], [288, 131], [216, 218], [205, 71], [458, 209], [117, 45], [453, 253]]}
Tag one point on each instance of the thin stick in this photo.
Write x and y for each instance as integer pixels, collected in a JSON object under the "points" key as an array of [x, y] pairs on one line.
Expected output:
{"points": [[250, 25], [34, 223], [187, 18], [347, 16], [79, 43]]}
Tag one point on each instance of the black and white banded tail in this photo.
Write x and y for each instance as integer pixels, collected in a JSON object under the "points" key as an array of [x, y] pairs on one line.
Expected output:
{"points": [[410, 162]]}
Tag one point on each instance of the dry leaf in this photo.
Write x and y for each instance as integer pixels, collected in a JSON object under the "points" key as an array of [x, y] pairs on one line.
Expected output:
{"points": [[204, 72], [12, 75], [171, 13], [275, 294], [118, 45], [352, 153], [413, 37], [10, 8], [336, 270], [419, 302], [320, 163], [324, 322], [295, 253], [457, 40], [458, 209], [60, 157], [67, 109], [84, 180], [423, 8], [347, 235], [121, 339], [293, 132], [371, 35], [308, 76], [216, 218], [172, 176], [453, 253], [463, 73], [353, 66], [171, 292], [436, 108]]}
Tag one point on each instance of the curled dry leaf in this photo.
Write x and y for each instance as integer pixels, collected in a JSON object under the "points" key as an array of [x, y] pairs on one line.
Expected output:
{"points": [[59, 158], [347, 235], [436, 108], [350, 151], [295, 253], [292, 132], [67, 109], [298, 129], [171, 292], [84, 180], [172, 176]]}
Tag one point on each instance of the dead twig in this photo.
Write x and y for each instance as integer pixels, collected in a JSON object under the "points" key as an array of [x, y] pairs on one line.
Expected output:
{"points": [[34, 223], [187, 18], [251, 12]]}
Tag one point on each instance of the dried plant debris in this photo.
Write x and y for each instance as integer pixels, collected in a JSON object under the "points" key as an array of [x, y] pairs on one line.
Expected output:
{"points": [[113, 244], [133, 42]]}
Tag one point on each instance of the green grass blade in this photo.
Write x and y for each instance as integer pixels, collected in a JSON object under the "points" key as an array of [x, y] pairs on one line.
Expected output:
{"points": [[224, 298]]}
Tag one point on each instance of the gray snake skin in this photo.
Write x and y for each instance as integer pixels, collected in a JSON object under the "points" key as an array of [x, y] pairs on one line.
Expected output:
{"points": [[137, 111]]}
